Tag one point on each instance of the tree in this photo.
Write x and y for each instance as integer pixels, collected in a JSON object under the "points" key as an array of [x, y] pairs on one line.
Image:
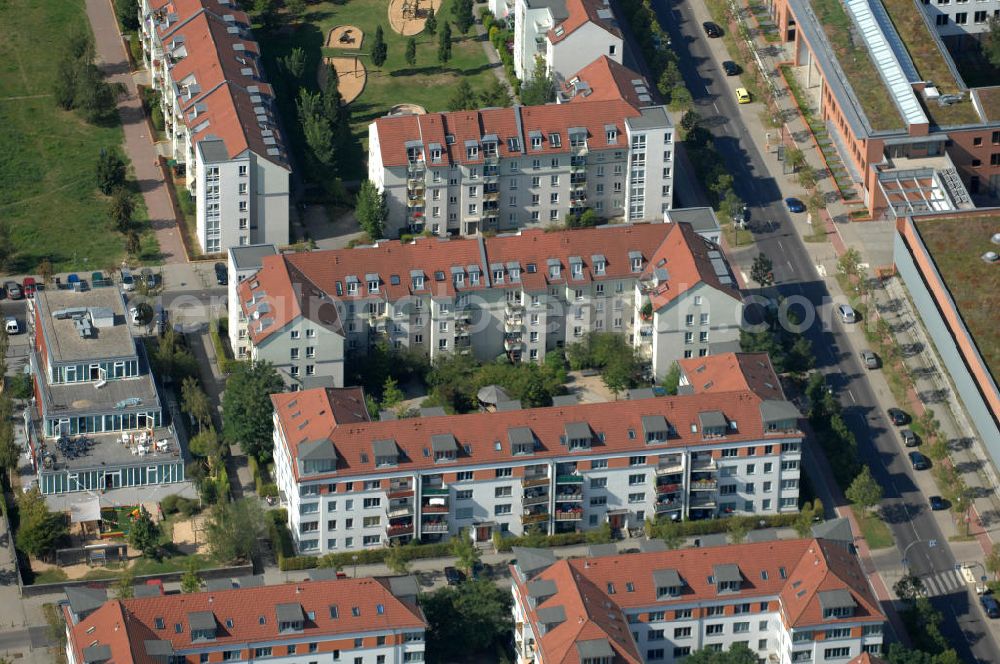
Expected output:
{"points": [[619, 374], [247, 407], [669, 78], [265, 12], [672, 379], [196, 403], [144, 535], [463, 98], [294, 63], [110, 171], [463, 548], [680, 97], [444, 44], [690, 120], [191, 581], [991, 42], [909, 588], [318, 134], [541, 87], [464, 619], [380, 50], [6, 246], [172, 360], [795, 158], [133, 244], [588, 219], [738, 529], [232, 529], [411, 51], [993, 560], [296, 9], [41, 531], [462, 11], [762, 271], [864, 491], [9, 450], [396, 560], [392, 396], [125, 586], [206, 444], [120, 212], [496, 94], [371, 209], [431, 24], [807, 176], [127, 12], [731, 206], [737, 654]]}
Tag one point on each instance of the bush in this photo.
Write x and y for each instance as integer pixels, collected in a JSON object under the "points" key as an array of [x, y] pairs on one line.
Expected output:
{"points": [[174, 504], [19, 386], [225, 362], [714, 526], [135, 48]]}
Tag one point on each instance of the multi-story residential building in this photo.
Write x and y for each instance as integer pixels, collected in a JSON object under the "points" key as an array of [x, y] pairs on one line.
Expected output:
{"points": [[566, 34], [242, 262], [958, 21], [350, 483], [910, 145], [523, 294], [100, 421], [468, 172], [365, 621], [789, 601], [220, 119]]}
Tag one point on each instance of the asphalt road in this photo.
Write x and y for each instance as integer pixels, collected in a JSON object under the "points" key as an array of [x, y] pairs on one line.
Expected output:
{"points": [[905, 507]]}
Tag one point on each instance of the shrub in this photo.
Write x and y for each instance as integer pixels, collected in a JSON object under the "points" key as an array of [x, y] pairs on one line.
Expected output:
{"points": [[19, 386], [135, 48]]}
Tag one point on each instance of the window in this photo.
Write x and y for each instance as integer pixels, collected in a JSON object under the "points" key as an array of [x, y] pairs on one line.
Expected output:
{"points": [[500, 510], [654, 635], [837, 653], [637, 479], [741, 627], [597, 464], [599, 501], [681, 632], [636, 498], [682, 651], [838, 633], [554, 180], [502, 492], [714, 629], [503, 472], [262, 652], [598, 482]]}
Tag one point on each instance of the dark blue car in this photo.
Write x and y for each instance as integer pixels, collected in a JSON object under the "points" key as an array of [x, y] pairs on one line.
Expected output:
{"points": [[795, 205]]}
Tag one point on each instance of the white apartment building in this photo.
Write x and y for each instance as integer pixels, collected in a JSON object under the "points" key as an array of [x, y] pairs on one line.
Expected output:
{"points": [[567, 34], [220, 119], [364, 621], [349, 483], [242, 262], [468, 172], [524, 294], [958, 19], [804, 600]]}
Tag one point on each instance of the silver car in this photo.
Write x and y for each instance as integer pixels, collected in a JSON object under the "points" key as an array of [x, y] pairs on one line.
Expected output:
{"points": [[870, 359], [847, 314]]}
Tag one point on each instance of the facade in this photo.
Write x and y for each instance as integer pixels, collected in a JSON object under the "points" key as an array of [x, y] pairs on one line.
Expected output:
{"points": [[935, 148], [955, 20], [242, 262], [567, 34], [93, 381], [349, 483], [220, 119], [469, 172], [366, 621], [523, 294], [789, 601]]}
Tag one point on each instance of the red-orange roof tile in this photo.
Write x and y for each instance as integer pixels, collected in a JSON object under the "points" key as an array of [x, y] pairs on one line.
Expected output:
{"points": [[608, 80], [727, 372], [687, 259], [580, 13]]}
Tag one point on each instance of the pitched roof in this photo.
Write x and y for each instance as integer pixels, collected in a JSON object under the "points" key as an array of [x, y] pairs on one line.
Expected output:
{"points": [[582, 12], [394, 132], [613, 427], [767, 570], [606, 80], [245, 615], [313, 415], [689, 260], [726, 372]]}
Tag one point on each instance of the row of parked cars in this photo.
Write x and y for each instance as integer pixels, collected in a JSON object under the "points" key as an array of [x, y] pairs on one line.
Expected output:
{"points": [[129, 281]]}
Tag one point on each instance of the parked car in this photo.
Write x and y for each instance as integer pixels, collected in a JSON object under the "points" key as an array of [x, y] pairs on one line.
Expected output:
{"points": [[937, 503], [795, 205], [990, 606], [452, 576], [909, 438], [160, 316], [743, 96], [29, 286], [898, 416], [14, 291], [919, 461], [847, 314], [11, 325], [712, 29], [730, 67], [150, 278], [128, 281], [221, 274], [870, 359]]}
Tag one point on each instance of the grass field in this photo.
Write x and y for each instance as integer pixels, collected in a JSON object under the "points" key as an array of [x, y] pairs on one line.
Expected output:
{"points": [[875, 532], [426, 83], [49, 197], [956, 245]]}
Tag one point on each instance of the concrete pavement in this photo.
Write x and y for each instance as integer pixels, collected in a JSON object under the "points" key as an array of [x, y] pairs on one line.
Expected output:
{"points": [[139, 143]]}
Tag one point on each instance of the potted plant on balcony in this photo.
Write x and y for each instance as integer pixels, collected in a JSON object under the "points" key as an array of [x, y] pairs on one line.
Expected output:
{"points": [[646, 313]]}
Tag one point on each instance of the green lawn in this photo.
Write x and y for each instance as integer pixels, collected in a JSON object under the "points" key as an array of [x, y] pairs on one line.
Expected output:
{"points": [[875, 532], [49, 197], [426, 83]]}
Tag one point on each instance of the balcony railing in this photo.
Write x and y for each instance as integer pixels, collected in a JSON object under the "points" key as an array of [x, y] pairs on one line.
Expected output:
{"points": [[670, 468], [668, 488], [539, 499], [529, 519], [570, 497], [534, 480], [703, 465], [668, 506], [569, 479], [400, 511], [704, 485], [434, 509], [703, 504], [434, 491], [433, 528], [400, 492], [572, 515], [399, 531]]}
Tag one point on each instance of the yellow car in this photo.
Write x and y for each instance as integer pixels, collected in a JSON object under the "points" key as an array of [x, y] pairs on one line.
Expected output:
{"points": [[742, 96]]}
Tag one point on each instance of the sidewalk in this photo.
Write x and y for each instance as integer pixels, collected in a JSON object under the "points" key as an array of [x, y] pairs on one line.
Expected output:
{"points": [[138, 143]]}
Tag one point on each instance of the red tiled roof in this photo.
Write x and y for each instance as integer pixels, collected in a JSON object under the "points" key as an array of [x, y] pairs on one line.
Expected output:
{"points": [[727, 372], [611, 424], [394, 131], [580, 13], [688, 264], [802, 568], [608, 80], [324, 410], [125, 625], [865, 658]]}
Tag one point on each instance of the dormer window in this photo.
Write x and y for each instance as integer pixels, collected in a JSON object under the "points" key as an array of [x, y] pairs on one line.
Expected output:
{"points": [[414, 154], [202, 625], [599, 263], [386, 453], [435, 154], [611, 134], [489, 149], [554, 268], [290, 618], [459, 278], [352, 285], [578, 436], [498, 275], [837, 604], [536, 140], [515, 273], [727, 578], [713, 424], [555, 140], [655, 428], [635, 258], [445, 447], [522, 440], [474, 277], [514, 144], [472, 151], [372, 285], [418, 283]]}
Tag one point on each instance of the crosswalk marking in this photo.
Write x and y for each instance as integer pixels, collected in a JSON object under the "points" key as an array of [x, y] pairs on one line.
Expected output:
{"points": [[944, 583]]}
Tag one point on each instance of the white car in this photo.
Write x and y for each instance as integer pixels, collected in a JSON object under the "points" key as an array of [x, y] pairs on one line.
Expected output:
{"points": [[11, 326], [847, 314], [134, 313]]}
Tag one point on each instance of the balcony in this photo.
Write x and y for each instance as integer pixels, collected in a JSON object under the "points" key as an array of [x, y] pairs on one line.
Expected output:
{"points": [[434, 509], [708, 503], [670, 467], [535, 499], [668, 506], [415, 201], [530, 519], [400, 491], [434, 491], [704, 485], [569, 496], [513, 324], [667, 488], [514, 308], [399, 531], [569, 515], [535, 479], [416, 169], [569, 479], [491, 195], [512, 342], [434, 528], [702, 464]]}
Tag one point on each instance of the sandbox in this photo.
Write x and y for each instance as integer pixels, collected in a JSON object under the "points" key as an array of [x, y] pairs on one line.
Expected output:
{"points": [[345, 36], [351, 73], [407, 17]]}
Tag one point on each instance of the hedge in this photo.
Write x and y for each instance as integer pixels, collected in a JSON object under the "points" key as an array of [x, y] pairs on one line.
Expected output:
{"points": [[723, 525], [364, 557], [222, 357]]}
